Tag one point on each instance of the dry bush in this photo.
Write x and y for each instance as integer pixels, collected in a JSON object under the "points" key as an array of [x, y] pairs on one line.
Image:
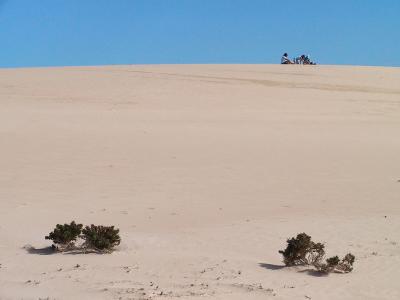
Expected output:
{"points": [[301, 250], [100, 238], [96, 238], [64, 236]]}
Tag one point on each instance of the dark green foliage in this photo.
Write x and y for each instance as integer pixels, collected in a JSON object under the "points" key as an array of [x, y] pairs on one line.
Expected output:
{"points": [[333, 261], [329, 266], [346, 264], [302, 251], [64, 236], [335, 264], [97, 238], [100, 238]]}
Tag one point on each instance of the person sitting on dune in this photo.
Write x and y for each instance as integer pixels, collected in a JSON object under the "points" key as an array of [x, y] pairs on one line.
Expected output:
{"points": [[307, 60], [285, 60], [299, 60]]}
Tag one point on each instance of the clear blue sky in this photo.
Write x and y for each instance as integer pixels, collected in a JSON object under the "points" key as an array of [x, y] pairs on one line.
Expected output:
{"points": [[98, 32]]}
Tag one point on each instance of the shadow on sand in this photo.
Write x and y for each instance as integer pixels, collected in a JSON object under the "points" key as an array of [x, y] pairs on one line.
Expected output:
{"points": [[39, 251], [313, 272], [308, 271], [271, 266], [52, 250]]}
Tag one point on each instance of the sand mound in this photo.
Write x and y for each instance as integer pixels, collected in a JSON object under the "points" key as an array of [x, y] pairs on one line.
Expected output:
{"points": [[206, 170]]}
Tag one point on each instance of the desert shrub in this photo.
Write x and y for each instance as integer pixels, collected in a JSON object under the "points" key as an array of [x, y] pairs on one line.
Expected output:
{"points": [[335, 264], [64, 236], [301, 250], [100, 238], [346, 264], [329, 266]]}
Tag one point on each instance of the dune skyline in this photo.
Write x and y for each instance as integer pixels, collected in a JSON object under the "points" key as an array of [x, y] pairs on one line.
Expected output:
{"points": [[76, 33]]}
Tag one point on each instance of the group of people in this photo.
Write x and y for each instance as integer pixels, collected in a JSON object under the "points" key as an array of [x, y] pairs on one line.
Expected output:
{"points": [[300, 60]]}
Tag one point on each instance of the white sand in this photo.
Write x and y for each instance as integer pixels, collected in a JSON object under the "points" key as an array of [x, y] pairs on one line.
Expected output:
{"points": [[206, 170]]}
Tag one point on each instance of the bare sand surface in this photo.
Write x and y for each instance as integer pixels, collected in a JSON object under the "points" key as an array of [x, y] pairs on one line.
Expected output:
{"points": [[206, 170]]}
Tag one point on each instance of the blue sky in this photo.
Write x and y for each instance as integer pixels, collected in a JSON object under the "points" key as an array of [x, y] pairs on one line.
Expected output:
{"points": [[98, 32]]}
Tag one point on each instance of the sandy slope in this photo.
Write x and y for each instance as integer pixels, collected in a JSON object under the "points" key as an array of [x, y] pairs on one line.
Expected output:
{"points": [[206, 170]]}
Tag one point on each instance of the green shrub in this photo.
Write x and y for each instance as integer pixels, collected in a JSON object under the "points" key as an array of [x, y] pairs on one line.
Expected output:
{"points": [[302, 251], [329, 266], [64, 236], [346, 264], [335, 264], [100, 238]]}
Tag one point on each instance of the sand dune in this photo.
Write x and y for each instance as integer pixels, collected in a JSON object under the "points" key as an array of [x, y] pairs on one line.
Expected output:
{"points": [[206, 170]]}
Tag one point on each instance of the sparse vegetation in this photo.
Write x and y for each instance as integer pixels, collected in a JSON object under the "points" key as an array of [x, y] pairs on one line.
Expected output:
{"points": [[329, 266], [346, 264], [97, 238], [334, 264], [302, 251], [100, 238], [64, 236]]}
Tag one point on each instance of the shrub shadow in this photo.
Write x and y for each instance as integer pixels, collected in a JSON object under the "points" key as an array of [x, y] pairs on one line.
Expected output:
{"points": [[271, 266], [308, 271], [51, 250], [40, 251], [313, 272]]}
